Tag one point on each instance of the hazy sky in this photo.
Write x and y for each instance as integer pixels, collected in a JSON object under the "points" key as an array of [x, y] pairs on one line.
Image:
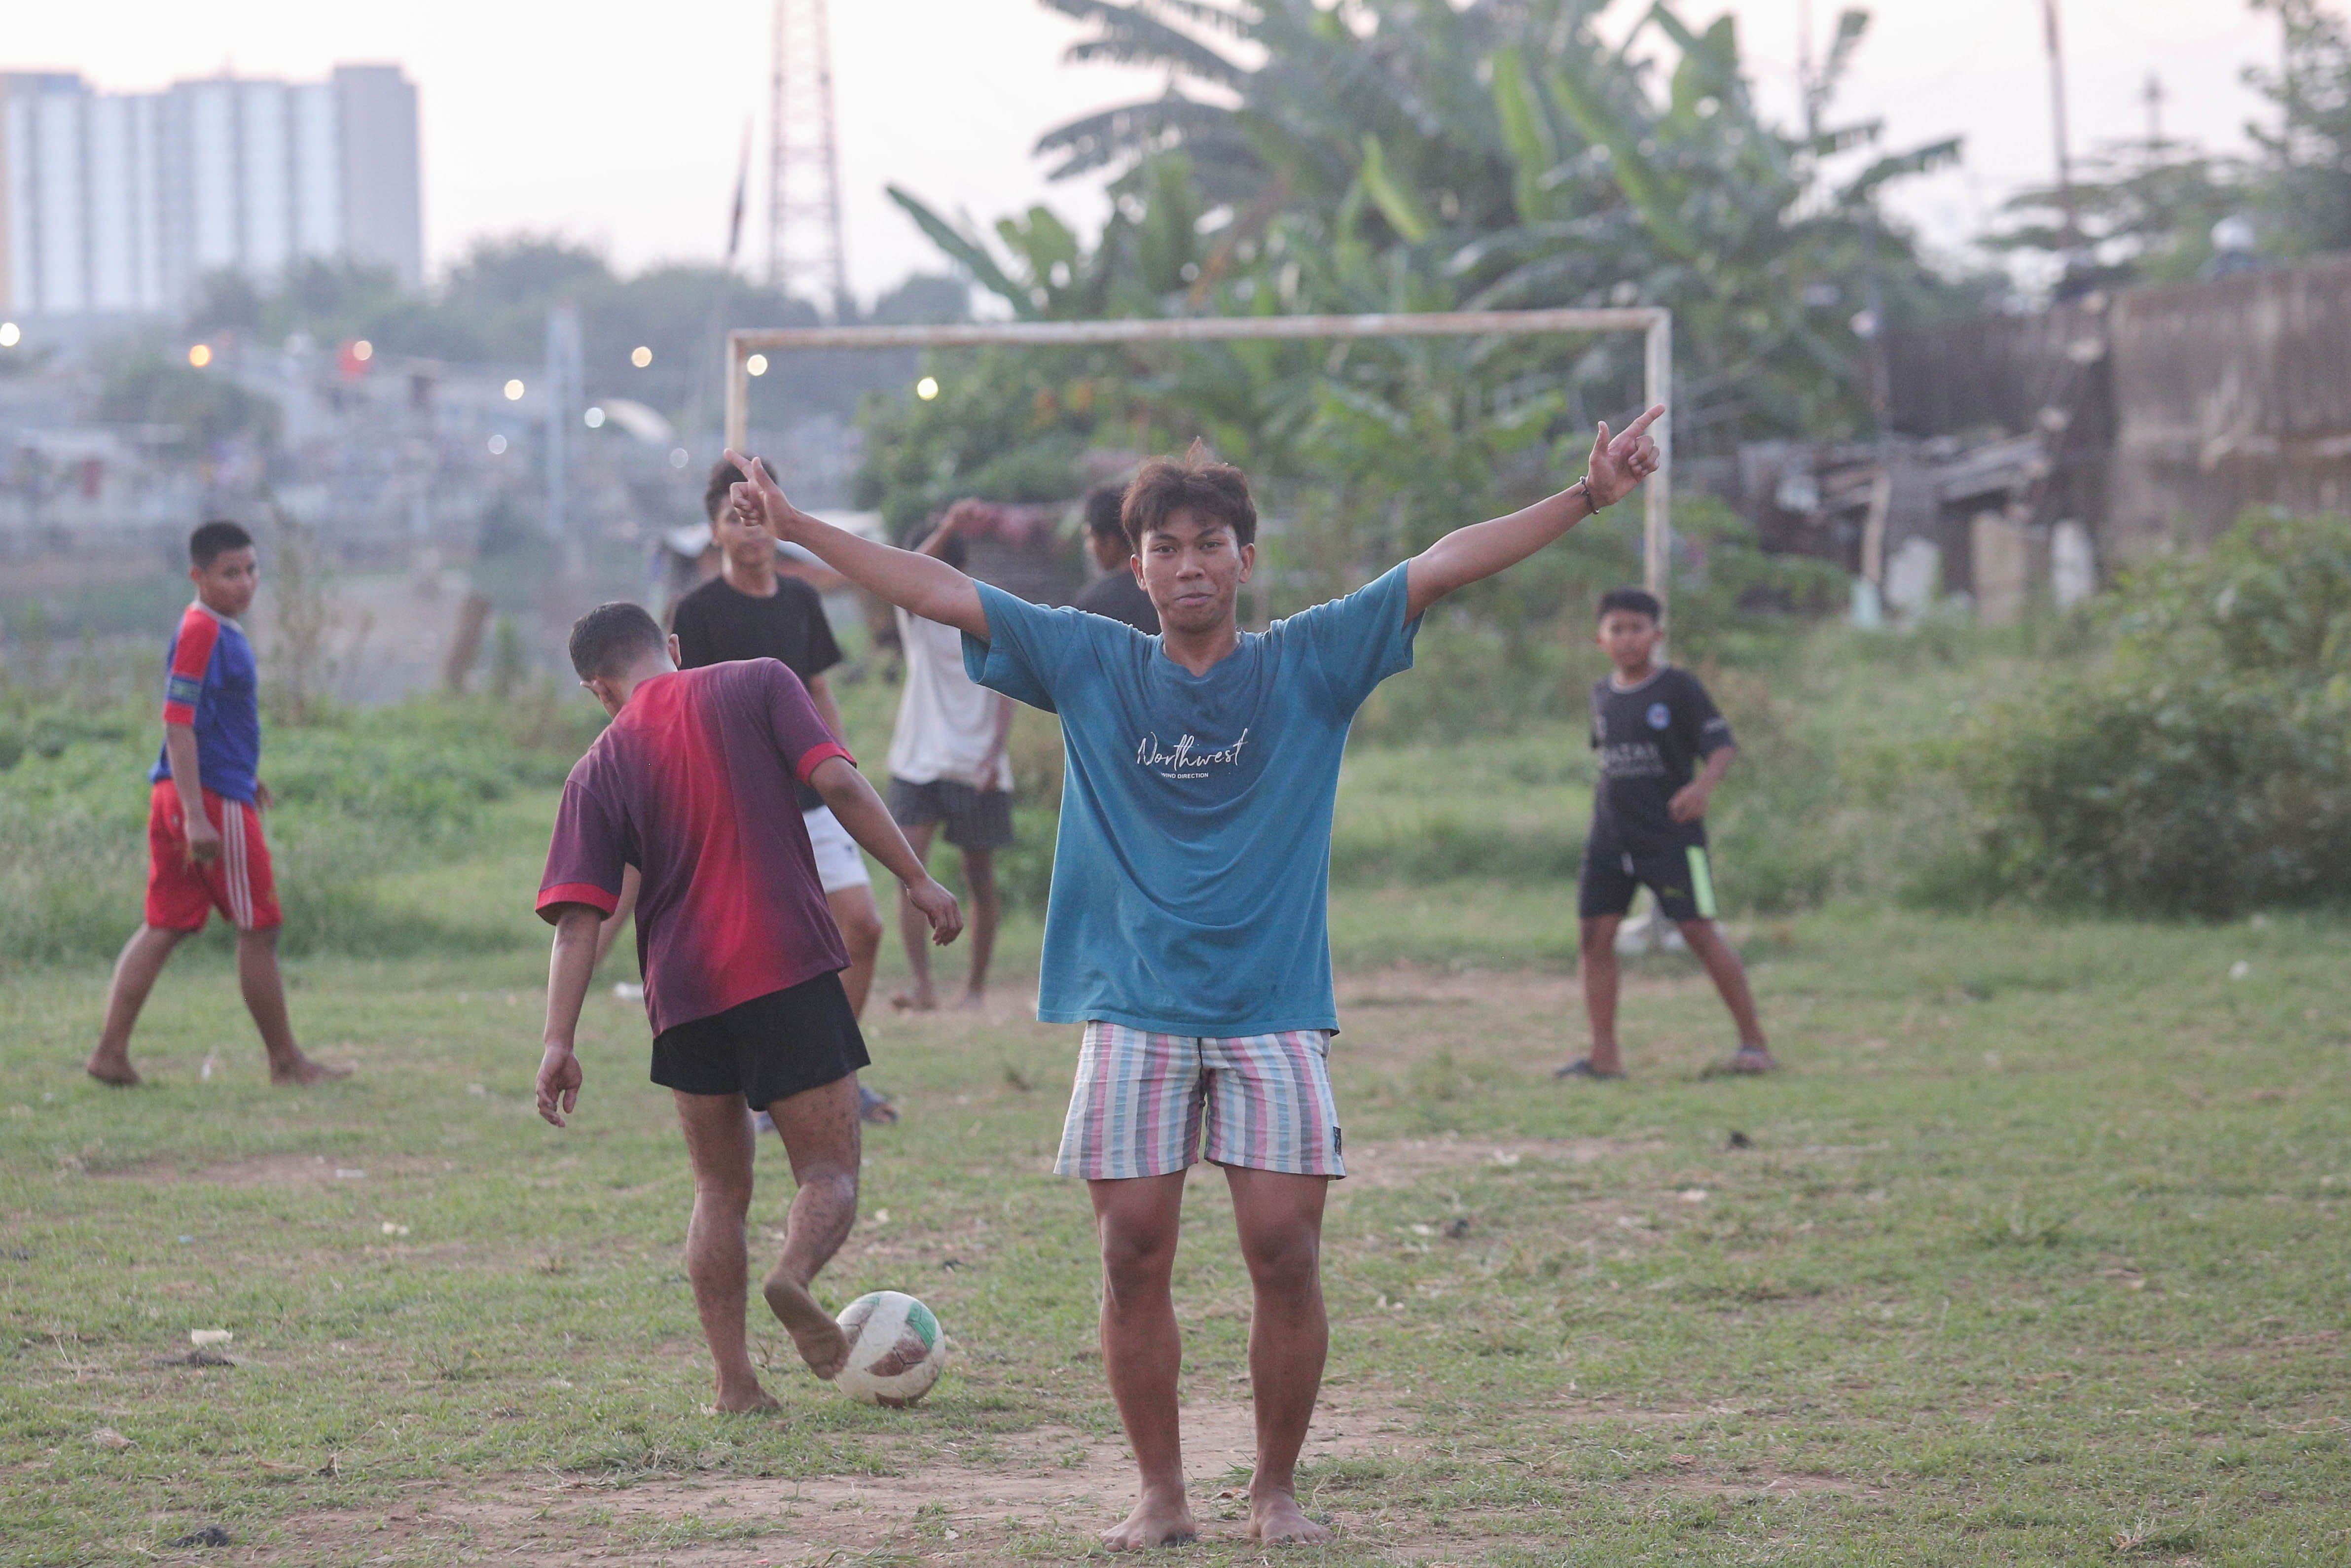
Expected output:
{"points": [[622, 124]]}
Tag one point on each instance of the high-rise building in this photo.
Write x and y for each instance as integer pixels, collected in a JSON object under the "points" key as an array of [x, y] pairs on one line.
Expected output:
{"points": [[124, 203]]}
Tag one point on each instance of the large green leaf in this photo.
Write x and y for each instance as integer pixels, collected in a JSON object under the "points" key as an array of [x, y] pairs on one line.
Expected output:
{"points": [[1628, 164], [1526, 131], [970, 253], [1397, 203]]}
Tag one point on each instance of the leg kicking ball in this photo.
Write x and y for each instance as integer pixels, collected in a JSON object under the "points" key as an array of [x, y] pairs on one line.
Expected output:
{"points": [[895, 1349]]}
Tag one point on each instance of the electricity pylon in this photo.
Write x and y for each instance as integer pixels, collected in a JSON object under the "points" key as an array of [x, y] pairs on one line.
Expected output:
{"points": [[803, 161]]}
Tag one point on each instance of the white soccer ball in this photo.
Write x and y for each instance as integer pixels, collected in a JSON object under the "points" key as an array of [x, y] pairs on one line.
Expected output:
{"points": [[895, 1349]]}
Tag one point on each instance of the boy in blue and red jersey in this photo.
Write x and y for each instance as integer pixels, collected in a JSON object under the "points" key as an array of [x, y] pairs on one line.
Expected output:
{"points": [[205, 851]]}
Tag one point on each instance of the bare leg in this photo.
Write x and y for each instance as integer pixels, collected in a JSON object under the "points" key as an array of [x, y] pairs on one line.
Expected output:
{"points": [[1600, 974], [265, 999], [916, 931], [819, 1129], [718, 1143], [986, 914], [143, 960], [1141, 1349], [1279, 1217], [1729, 978], [859, 920]]}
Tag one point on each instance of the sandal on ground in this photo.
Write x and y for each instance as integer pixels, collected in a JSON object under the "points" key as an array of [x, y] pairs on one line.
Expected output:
{"points": [[1582, 1068], [1746, 1061]]}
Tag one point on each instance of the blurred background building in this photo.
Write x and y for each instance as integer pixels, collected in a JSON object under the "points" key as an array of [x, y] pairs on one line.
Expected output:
{"points": [[120, 203]]}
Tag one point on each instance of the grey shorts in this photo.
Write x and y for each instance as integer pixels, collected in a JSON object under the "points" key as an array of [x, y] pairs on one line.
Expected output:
{"points": [[975, 819]]}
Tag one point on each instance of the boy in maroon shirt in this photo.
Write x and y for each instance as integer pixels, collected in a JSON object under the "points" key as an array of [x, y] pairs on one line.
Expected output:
{"points": [[693, 786]]}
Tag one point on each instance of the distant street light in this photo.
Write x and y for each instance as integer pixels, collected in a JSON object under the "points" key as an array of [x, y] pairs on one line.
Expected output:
{"points": [[363, 350], [514, 391], [928, 388], [9, 335], [200, 355], [594, 418], [757, 365], [640, 356], [678, 458], [497, 447]]}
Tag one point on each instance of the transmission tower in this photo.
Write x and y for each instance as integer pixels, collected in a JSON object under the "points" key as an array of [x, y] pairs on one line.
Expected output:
{"points": [[803, 161]]}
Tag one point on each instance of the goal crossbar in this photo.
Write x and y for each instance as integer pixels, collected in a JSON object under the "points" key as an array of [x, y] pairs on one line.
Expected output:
{"points": [[1655, 323]]}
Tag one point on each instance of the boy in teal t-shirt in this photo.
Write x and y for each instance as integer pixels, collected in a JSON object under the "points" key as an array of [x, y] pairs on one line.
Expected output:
{"points": [[1186, 930]]}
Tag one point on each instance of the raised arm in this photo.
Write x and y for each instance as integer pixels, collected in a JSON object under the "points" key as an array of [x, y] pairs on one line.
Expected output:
{"points": [[919, 584], [1617, 466]]}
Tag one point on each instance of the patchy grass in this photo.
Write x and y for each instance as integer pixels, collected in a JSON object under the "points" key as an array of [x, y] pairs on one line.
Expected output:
{"points": [[2037, 1254]]}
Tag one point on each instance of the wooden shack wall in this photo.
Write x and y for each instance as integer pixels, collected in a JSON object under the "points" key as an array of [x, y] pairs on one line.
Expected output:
{"points": [[2228, 394]]}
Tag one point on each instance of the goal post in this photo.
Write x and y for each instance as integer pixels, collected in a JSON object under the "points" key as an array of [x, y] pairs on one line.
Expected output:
{"points": [[1653, 322]]}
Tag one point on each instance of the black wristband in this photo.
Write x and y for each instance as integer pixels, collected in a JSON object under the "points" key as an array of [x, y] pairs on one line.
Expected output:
{"points": [[1591, 504]]}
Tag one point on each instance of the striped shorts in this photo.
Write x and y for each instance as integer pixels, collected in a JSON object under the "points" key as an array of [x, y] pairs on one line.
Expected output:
{"points": [[1143, 1103]]}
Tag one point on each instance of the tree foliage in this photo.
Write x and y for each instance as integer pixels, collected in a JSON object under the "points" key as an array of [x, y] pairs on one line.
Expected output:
{"points": [[1418, 155]]}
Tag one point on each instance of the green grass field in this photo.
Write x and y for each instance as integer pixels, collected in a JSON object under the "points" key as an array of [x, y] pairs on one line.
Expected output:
{"points": [[2037, 1253]]}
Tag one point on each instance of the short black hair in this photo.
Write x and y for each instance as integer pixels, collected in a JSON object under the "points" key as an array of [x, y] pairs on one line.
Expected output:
{"points": [[213, 539], [1195, 482], [1103, 506], [1638, 600], [724, 476], [611, 637], [954, 552]]}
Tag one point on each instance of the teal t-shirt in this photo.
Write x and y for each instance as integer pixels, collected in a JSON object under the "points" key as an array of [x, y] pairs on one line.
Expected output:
{"points": [[1191, 880]]}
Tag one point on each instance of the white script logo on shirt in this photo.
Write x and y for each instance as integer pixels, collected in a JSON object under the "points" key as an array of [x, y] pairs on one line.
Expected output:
{"points": [[1185, 759]]}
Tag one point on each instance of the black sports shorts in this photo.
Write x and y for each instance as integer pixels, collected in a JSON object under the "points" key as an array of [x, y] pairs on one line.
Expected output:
{"points": [[767, 1049], [1678, 874], [976, 819]]}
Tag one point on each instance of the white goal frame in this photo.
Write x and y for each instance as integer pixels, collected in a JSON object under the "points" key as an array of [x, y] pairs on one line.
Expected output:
{"points": [[1653, 322]]}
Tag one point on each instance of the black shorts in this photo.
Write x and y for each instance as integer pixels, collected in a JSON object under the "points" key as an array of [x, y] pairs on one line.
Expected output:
{"points": [[976, 819], [767, 1049], [1678, 874]]}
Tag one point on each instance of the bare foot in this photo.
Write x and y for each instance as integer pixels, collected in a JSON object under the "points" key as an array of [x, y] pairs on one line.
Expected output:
{"points": [[114, 1070], [306, 1071], [972, 1002], [744, 1400], [820, 1342], [1156, 1521], [1276, 1520], [920, 1000]]}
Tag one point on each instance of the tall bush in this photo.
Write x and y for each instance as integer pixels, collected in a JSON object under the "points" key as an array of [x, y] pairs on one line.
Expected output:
{"points": [[2205, 767]]}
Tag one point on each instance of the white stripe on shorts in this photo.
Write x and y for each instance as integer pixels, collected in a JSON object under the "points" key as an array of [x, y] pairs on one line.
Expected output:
{"points": [[240, 892]]}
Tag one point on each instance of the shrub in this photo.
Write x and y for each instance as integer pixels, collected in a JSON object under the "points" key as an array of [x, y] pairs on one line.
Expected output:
{"points": [[358, 795], [2204, 768]]}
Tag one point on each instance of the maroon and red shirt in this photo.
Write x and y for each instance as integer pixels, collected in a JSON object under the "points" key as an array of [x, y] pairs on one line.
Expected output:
{"points": [[693, 785]]}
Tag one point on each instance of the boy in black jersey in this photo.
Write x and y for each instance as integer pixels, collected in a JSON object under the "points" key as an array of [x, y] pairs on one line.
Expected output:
{"points": [[1652, 727]]}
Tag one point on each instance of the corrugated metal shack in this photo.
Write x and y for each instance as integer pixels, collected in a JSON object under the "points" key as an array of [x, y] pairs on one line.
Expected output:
{"points": [[2035, 454]]}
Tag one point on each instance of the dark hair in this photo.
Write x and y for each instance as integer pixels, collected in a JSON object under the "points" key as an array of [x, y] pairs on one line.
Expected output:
{"points": [[1636, 600], [1195, 482], [611, 637], [954, 552], [214, 539], [723, 476], [1104, 504]]}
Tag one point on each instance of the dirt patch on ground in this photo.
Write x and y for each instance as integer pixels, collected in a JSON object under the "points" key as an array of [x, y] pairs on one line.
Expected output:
{"points": [[976, 1501], [278, 1170], [1405, 1161]]}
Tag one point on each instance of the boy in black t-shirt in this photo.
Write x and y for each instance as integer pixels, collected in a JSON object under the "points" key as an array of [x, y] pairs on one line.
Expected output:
{"points": [[1115, 593], [1653, 726], [752, 610]]}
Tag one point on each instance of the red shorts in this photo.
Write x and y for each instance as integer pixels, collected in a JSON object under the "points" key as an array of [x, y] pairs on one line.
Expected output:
{"points": [[182, 893]]}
